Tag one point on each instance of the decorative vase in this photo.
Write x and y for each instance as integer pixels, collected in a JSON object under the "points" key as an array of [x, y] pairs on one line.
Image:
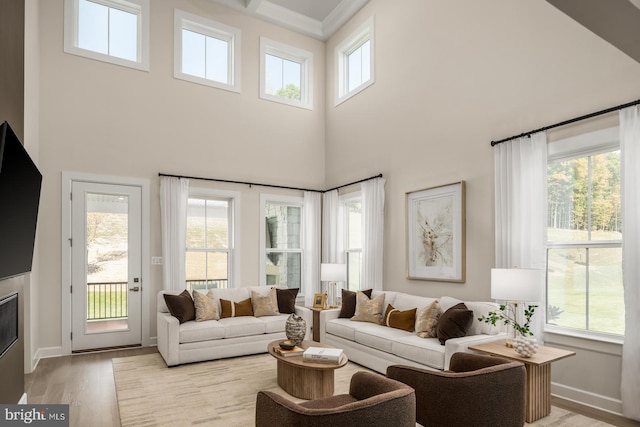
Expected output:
{"points": [[525, 347], [295, 329]]}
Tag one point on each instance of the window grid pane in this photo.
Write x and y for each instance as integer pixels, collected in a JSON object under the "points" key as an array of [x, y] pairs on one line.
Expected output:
{"points": [[284, 269], [93, 27], [283, 226], [283, 77], [123, 34]]}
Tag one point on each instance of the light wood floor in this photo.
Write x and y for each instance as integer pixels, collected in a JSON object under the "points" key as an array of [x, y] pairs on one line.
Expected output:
{"points": [[85, 382]]}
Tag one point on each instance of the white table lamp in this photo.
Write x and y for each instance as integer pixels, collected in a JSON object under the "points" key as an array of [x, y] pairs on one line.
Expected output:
{"points": [[333, 273]]}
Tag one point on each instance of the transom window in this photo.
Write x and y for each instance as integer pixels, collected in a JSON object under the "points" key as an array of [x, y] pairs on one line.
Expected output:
{"points": [[282, 237], [115, 31], [584, 240], [209, 242], [285, 74], [355, 63], [206, 52]]}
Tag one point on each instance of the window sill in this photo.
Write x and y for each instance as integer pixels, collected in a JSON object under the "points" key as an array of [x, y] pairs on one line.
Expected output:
{"points": [[586, 341]]}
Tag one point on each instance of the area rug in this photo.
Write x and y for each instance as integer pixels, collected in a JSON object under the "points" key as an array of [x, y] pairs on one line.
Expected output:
{"points": [[223, 392]]}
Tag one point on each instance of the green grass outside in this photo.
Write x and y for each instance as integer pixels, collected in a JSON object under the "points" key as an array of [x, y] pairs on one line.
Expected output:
{"points": [[102, 305]]}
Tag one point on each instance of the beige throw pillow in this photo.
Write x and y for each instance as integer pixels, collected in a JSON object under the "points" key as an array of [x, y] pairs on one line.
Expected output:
{"points": [[206, 306], [265, 305], [368, 310], [427, 320]]}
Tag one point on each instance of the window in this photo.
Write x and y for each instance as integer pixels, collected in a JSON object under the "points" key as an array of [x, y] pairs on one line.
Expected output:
{"points": [[282, 241], [115, 31], [209, 245], [355, 63], [584, 240], [285, 74], [206, 52], [352, 208]]}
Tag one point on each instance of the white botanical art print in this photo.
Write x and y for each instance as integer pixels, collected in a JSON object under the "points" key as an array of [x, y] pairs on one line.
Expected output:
{"points": [[435, 233], [435, 229]]}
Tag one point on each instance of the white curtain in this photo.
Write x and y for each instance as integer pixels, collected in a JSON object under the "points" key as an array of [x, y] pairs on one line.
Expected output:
{"points": [[521, 208], [330, 227], [174, 195], [630, 170], [372, 233], [311, 241]]}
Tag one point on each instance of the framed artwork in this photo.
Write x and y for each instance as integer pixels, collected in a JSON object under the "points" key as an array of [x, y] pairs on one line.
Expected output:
{"points": [[318, 300], [435, 228]]}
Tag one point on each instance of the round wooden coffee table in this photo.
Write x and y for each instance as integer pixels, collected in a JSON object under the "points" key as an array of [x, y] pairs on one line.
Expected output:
{"points": [[306, 380]]}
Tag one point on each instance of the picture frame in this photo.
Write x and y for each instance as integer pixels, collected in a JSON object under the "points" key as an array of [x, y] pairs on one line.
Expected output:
{"points": [[319, 300], [435, 233]]}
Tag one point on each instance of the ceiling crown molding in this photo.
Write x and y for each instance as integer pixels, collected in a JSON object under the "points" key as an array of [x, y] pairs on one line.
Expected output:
{"points": [[287, 18]]}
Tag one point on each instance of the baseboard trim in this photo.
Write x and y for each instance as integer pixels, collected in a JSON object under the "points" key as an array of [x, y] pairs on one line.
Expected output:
{"points": [[585, 398]]}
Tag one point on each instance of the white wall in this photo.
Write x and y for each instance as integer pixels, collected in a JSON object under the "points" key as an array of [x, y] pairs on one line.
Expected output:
{"points": [[105, 119], [450, 77]]}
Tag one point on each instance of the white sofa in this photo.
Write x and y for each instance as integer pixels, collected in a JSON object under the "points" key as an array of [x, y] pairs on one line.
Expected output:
{"points": [[194, 341], [377, 346]]}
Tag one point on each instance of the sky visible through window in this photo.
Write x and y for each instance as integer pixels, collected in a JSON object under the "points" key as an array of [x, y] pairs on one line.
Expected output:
{"points": [[359, 65], [205, 57], [281, 73], [107, 30]]}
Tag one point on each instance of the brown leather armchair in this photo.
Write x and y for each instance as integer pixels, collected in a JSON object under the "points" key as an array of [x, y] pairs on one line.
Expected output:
{"points": [[373, 400], [478, 390]]}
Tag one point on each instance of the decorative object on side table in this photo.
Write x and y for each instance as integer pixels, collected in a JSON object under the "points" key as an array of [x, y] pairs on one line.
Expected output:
{"points": [[515, 286], [333, 273], [319, 300], [295, 329]]}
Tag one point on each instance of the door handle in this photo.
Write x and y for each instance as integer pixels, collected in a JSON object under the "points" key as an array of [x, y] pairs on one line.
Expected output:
{"points": [[135, 289]]}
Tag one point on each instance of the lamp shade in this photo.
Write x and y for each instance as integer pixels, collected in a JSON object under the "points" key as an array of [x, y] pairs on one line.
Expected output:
{"points": [[333, 272], [516, 284]]}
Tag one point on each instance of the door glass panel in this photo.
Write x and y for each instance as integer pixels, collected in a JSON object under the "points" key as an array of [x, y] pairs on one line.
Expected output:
{"points": [[107, 230]]}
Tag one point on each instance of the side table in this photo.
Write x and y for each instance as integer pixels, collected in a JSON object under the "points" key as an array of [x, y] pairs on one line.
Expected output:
{"points": [[538, 369], [315, 328]]}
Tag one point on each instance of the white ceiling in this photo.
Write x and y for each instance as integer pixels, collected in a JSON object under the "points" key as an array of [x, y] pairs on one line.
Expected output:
{"points": [[315, 18]]}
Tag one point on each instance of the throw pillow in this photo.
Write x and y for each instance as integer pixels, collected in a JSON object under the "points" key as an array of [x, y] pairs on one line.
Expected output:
{"points": [[368, 310], [427, 320], [206, 306], [265, 305], [348, 308], [236, 309], [395, 318], [454, 323], [287, 300], [181, 306]]}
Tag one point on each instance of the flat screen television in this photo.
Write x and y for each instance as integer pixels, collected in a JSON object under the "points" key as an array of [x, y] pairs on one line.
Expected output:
{"points": [[20, 182]]}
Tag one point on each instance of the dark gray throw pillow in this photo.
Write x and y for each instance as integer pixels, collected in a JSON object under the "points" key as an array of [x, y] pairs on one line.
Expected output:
{"points": [[348, 308], [181, 306], [287, 300], [454, 323]]}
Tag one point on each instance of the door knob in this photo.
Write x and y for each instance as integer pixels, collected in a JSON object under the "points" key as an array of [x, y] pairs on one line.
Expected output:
{"points": [[135, 289]]}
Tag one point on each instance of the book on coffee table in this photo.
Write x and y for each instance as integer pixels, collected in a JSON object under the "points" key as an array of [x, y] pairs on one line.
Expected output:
{"points": [[295, 351], [322, 355]]}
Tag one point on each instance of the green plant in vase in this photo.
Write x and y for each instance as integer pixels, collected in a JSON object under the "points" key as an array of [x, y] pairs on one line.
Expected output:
{"points": [[508, 316]]}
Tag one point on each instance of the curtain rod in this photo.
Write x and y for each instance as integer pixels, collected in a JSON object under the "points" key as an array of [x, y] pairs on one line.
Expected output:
{"points": [[267, 185], [566, 122]]}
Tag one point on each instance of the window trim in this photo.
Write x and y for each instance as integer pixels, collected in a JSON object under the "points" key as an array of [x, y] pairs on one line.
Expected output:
{"points": [[290, 53], [234, 279], [365, 32], [288, 201], [578, 146], [139, 7], [207, 27]]}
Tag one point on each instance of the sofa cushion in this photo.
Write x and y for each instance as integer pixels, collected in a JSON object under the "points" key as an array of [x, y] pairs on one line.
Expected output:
{"points": [[348, 308], [379, 337], [424, 351], [236, 309], [207, 330], [265, 305], [368, 310], [206, 306], [344, 328], [181, 306], [403, 301], [427, 320], [454, 323], [394, 318], [242, 326], [274, 323], [287, 300]]}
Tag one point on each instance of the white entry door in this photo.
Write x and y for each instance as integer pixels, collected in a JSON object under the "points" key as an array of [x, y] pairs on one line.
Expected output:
{"points": [[105, 265]]}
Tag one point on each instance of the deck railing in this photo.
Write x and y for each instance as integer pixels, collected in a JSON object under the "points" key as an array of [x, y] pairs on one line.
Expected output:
{"points": [[206, 284], [107, 300]]}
